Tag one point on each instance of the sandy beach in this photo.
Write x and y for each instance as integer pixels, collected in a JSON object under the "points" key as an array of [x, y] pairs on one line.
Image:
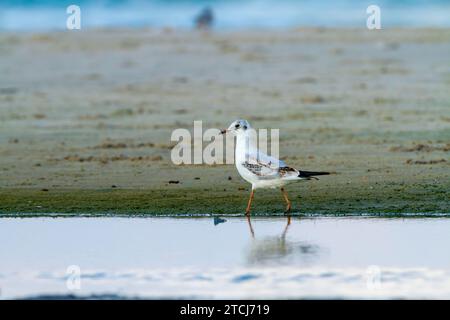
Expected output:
{"points": [[86, 119]]}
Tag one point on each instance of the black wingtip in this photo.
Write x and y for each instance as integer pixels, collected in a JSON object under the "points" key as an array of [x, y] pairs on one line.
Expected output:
{"points": [[311, 174]]}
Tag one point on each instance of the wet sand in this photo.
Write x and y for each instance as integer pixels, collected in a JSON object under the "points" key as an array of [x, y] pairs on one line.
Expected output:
{"points": [[86, 119]]}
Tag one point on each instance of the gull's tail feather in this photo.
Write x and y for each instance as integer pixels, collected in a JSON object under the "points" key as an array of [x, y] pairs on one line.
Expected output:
{"points": [[311, 174]]}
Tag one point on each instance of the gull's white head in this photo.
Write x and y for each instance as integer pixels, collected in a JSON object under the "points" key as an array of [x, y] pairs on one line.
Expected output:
{"points": [[237, 127]]}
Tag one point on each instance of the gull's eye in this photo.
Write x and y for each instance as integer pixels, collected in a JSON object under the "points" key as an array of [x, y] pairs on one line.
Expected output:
{"points": [[237, 125]]}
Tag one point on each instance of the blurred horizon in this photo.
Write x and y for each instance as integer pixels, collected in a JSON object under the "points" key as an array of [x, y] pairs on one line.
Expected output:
{"points": [[43, 15]]}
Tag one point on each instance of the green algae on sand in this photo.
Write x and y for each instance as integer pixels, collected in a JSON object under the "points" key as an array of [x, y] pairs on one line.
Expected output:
{"points": [[386, 201]]}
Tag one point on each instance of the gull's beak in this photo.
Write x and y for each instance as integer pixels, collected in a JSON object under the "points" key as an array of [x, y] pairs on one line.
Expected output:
{"points": [[223, 131]]}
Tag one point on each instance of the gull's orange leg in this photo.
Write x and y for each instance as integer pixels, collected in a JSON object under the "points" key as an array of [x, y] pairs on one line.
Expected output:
{"points": [[247, 211], [288, 207]]}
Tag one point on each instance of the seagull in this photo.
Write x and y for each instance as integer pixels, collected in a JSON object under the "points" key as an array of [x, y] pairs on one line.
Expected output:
{"points": [[260, 169]]}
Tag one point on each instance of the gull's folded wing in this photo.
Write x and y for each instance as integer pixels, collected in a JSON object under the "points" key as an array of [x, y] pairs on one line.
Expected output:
{"points": [[266, 166], [270, 161]]}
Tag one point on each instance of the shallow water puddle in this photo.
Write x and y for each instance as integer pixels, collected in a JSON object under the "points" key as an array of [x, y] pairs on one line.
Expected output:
{"points": [[225, 258]]}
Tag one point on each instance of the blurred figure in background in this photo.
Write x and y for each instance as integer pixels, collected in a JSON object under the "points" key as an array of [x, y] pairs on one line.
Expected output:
{"points": [[205, 19]]}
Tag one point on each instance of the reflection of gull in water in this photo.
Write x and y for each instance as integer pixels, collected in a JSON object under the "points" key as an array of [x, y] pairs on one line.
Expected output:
{"points": [[276, 248]]}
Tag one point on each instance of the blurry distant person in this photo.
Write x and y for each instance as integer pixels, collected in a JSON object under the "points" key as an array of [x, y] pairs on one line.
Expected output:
{"points": [[205, 19]]}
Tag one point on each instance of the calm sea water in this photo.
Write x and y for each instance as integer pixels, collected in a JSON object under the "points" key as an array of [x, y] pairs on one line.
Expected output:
{"points": [[229, 14], [207, 258]]}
